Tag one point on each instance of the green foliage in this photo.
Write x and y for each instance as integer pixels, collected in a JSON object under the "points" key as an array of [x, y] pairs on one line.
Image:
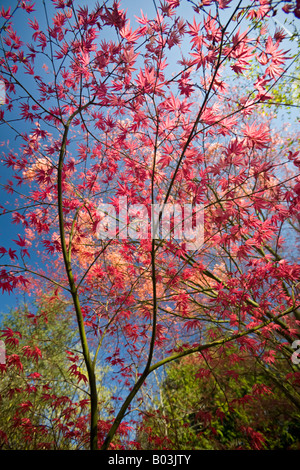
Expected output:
{"points": [[223, 406], [287, 92], [43, 404]]}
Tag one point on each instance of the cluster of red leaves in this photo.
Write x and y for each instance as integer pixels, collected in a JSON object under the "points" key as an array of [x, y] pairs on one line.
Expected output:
{"points": [[66, 419], [292, 7]]}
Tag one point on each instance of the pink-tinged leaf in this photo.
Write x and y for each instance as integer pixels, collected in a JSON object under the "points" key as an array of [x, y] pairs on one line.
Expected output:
{"points": [[34, 24], [5, 13], [11, 337], [257, 135], [126, 33], [233, 373], [27, 6], [194, 28], [25, 406], [21, 241], [203, 373], [223, 4], [12, 254], [257, 440], [24, 252], [35, 375], [269, 357], [14, 360], [261, 389], [32, 352], [29, 69]]}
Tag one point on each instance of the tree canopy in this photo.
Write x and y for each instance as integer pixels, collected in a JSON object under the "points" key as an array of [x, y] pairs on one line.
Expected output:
{"points": [[151, 184]]}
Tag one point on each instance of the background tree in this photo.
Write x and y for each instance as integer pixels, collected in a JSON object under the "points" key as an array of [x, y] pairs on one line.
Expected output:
{"points": [[228, 405], [104, 114], [43, 395]]}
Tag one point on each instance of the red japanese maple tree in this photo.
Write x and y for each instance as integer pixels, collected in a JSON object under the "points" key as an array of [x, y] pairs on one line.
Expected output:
{"points": [[159, 107]]}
